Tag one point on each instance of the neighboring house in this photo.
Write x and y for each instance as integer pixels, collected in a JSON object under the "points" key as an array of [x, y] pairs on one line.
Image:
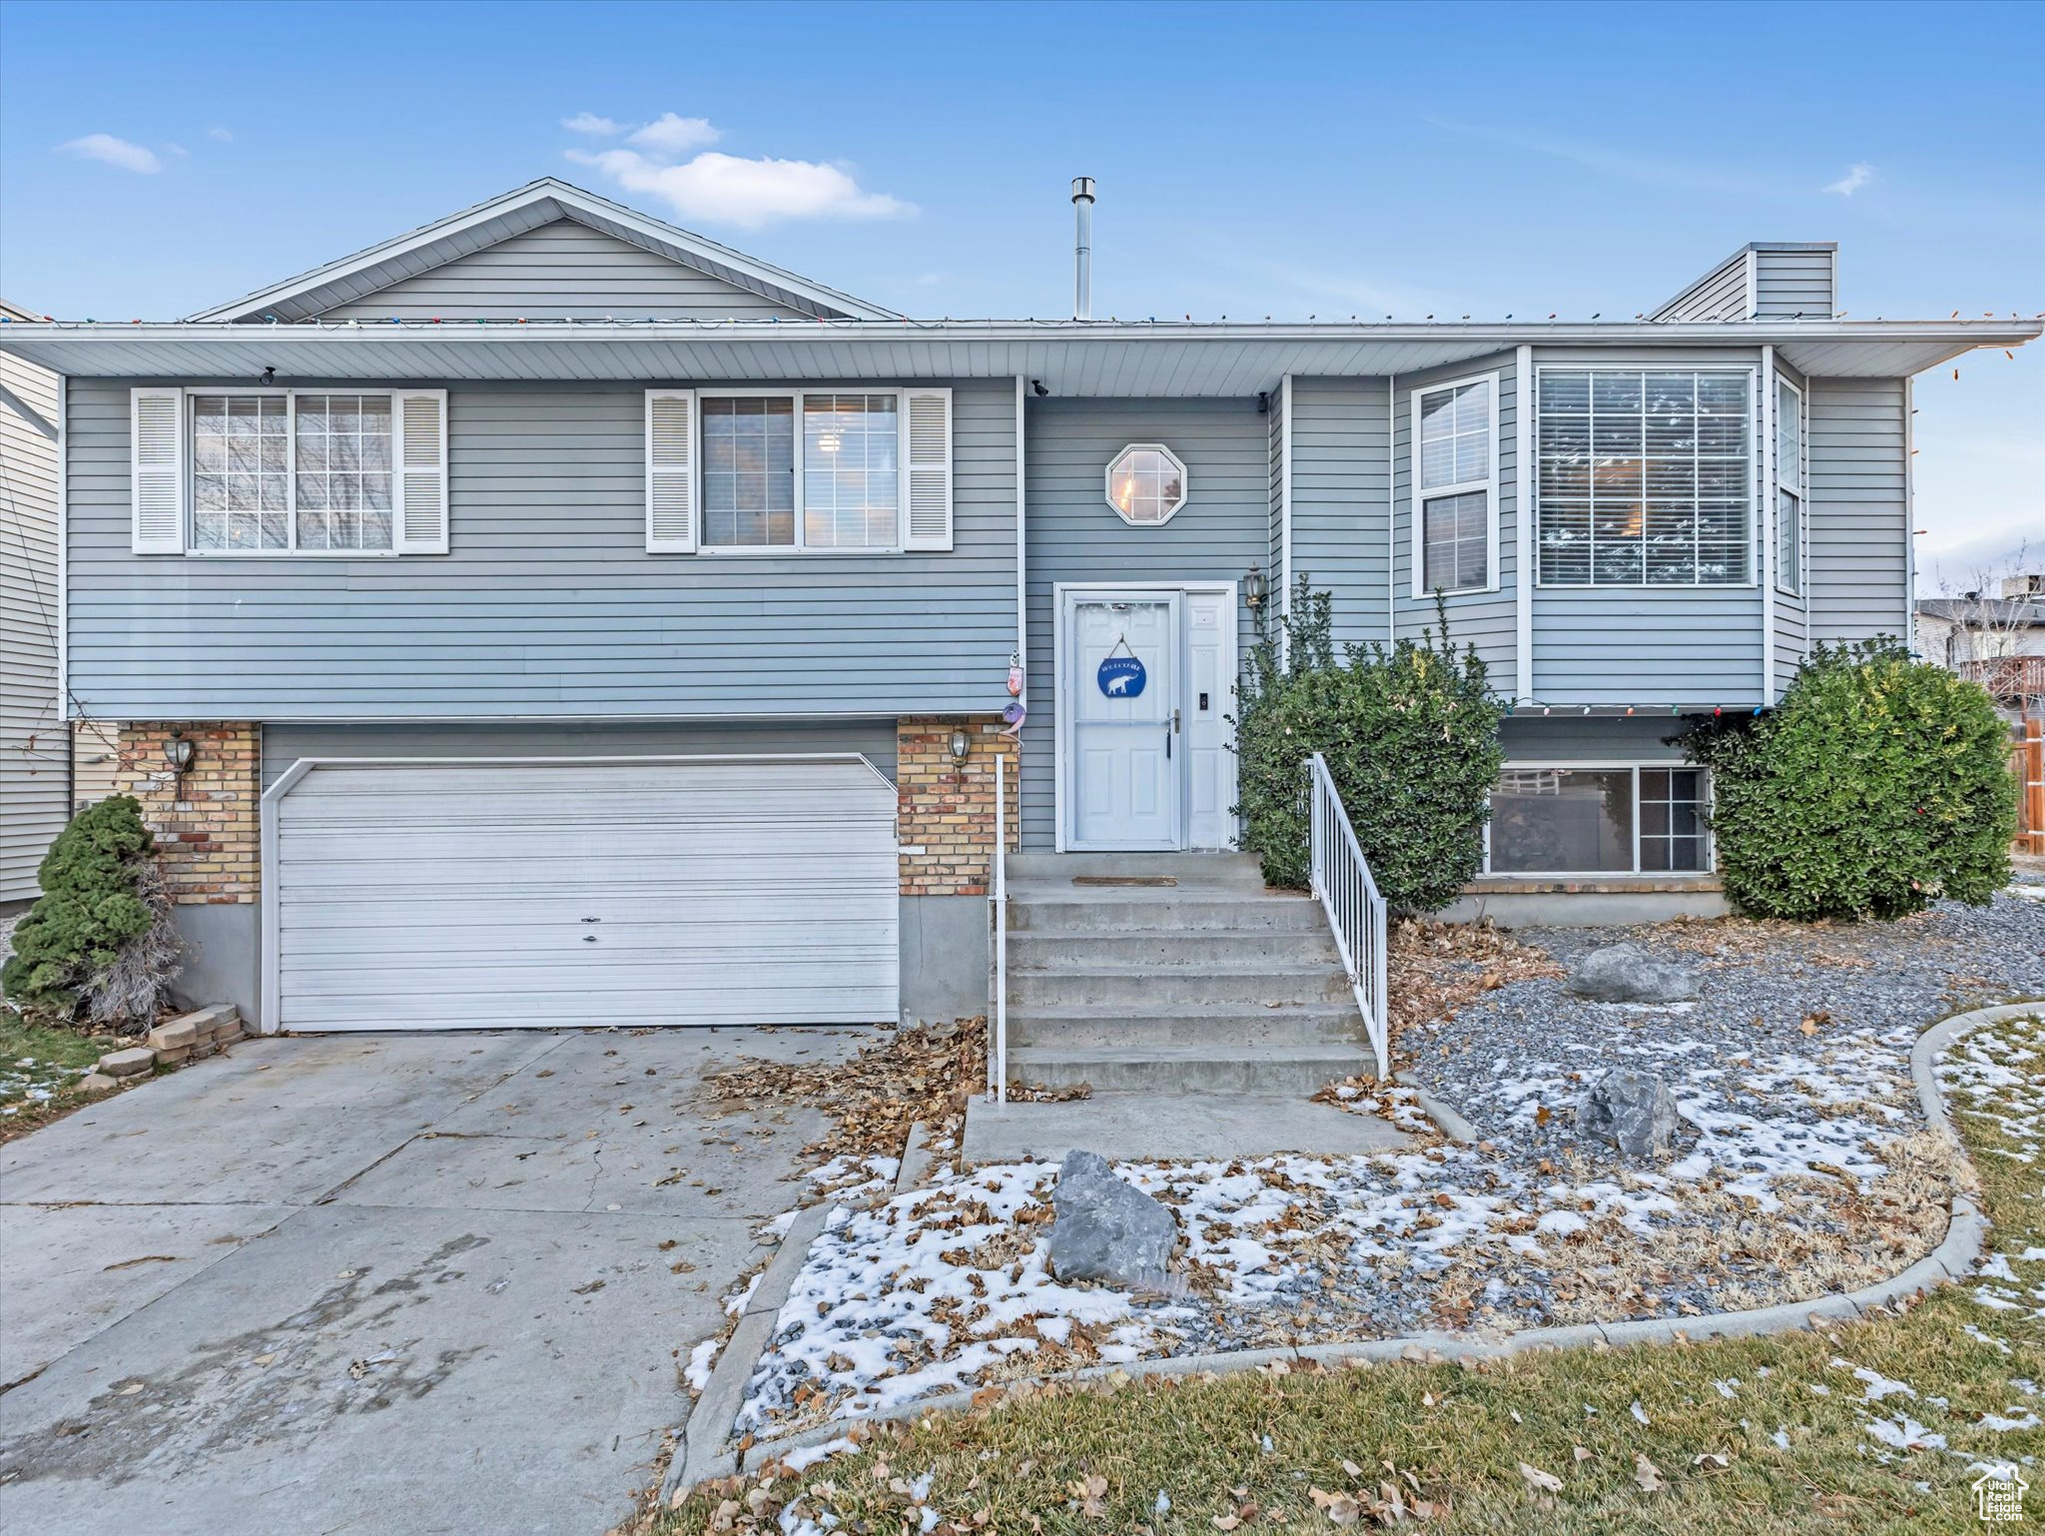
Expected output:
{"points": [[35, 751], [1999, 641], [617, 629]]}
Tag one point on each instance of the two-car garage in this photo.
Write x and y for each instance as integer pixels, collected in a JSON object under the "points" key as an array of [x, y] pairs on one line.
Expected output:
{"points": [[490, 894]]}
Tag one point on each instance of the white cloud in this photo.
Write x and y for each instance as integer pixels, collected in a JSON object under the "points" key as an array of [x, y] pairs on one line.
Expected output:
{"points": [[1852, 181], [112, 151], [220, 134], [591, 124], [718, 188], [671, 135]]}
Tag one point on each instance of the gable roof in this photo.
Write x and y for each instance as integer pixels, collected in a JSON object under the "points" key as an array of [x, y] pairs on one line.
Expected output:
{"points": [[528, 207]]}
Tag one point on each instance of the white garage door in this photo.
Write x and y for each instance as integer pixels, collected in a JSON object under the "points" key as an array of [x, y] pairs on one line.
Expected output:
{"points": [[481, 895]]}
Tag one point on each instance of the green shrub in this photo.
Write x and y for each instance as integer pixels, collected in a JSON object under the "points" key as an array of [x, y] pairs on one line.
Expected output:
{"points": [[97, 943], [1879, 785], [1411, 740]]}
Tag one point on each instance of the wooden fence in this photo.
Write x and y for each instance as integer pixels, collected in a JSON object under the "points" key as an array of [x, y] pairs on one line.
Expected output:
{"points": [[2027, 762]]}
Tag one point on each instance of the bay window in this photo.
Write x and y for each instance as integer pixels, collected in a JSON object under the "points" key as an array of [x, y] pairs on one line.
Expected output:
{"points": [[1618, 820], [1644, 477], [1789, 487], [1455, 461]]}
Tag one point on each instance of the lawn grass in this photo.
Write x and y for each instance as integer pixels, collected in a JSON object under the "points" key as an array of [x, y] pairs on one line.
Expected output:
{"points": [[35, 1062], [1247, 1452]]}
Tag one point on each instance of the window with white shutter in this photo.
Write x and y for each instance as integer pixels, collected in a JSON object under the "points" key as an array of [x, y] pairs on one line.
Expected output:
{"points": [[421, 454], [263, 473], [928, 522], [670, 471], [157, 519]]}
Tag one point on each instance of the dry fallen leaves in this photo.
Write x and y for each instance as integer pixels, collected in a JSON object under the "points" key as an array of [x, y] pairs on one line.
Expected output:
{"points": [[1647, 1474], [904, 1076], [1547, 1482]]}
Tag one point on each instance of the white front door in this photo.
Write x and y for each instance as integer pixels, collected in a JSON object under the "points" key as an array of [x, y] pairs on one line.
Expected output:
{"points": [[1125, 759]]}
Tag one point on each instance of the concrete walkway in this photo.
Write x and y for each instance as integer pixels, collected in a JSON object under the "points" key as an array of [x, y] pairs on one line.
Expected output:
{"points": [[377, 1284]]}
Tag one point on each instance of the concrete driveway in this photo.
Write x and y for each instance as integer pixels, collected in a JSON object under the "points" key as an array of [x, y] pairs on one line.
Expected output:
{"points": [[378, 1284]]}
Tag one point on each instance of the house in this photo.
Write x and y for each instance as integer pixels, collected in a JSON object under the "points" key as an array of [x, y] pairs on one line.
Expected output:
{"points": [[550, 616], [1999, 640], [34, 736]]}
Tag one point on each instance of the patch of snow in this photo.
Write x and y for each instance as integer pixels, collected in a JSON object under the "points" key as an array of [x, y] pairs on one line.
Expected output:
{"points": [[1905, 1433], [701, 1358]]}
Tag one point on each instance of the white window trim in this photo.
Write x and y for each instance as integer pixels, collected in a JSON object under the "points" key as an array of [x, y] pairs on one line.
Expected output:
{"points": [[1803, 427], [1635, 766], [1418, 498], [1755, 461], [1108, 483], [900, 395], [291, 551]]}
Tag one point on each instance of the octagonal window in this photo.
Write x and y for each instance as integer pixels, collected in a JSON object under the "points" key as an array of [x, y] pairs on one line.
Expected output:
{"points": [[1146, 484]]}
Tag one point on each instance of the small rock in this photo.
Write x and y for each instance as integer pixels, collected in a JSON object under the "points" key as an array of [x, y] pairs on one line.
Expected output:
{"points": [[129, 1063], [97, 1082], [1632, 1111], [1626, 973], [1106, 1229]]}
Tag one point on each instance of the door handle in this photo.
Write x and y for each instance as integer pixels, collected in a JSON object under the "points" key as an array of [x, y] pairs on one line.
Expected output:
{"points": [[1175, 722]]}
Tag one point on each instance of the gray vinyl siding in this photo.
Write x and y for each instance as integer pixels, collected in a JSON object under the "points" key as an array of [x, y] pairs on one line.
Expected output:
{"points": [[34, 740], [1792, 282], [561, 271], [548, 604], [1721, 294], [1483, 619], [1860, 508], [284, 745], [1339, 490], [1075, 536]]}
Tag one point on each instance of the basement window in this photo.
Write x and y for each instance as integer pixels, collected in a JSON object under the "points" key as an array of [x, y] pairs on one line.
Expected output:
{"points": [[1593, 820]]}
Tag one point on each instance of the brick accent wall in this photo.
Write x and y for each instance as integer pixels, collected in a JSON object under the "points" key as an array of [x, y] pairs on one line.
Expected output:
{"points": [[207, 822], [946, 816]]}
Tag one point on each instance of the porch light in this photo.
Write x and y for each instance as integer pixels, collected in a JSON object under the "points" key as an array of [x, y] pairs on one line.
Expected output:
{"points": [[1253, 588], [178, 753], [961, 746]]}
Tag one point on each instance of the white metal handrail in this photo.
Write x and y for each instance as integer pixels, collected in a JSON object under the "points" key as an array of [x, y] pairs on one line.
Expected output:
{"points": [[1356, 912], [997, 893]]}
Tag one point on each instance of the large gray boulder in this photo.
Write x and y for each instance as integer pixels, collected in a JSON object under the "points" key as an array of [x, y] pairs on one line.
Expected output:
{"points": [[1632, 1111], [1106, 1229], [1626, 973]]}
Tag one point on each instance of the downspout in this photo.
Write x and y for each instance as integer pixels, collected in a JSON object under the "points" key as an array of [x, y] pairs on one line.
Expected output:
{"points": [[64, 701]]}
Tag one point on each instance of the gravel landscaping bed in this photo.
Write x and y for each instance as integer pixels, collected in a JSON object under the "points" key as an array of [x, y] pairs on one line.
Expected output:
{"points": [[1802, 1167]]}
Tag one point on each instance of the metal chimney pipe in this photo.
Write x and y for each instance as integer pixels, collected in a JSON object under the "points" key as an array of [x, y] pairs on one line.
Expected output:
{"points": [[1083, 248]]}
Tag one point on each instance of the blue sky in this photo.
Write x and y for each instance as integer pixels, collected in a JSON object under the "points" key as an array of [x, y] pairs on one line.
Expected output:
{"points": [[1252, 160]]}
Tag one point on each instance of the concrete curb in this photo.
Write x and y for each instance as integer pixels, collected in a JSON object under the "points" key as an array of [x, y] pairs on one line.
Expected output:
{"points": [[1950, 1260], [699, 1452]]}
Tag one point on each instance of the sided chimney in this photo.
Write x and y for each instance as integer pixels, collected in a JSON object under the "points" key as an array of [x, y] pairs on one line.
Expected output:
{"points": [[1082, 247]]}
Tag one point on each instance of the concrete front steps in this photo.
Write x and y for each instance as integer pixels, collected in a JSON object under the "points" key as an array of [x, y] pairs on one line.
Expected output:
{"points": [[1200, 1008], [1208, 984]]}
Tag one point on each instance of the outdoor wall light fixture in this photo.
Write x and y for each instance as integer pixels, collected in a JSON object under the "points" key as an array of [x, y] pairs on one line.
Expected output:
{"points": [[178, 752], [1253, 588], [961, 746]]}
